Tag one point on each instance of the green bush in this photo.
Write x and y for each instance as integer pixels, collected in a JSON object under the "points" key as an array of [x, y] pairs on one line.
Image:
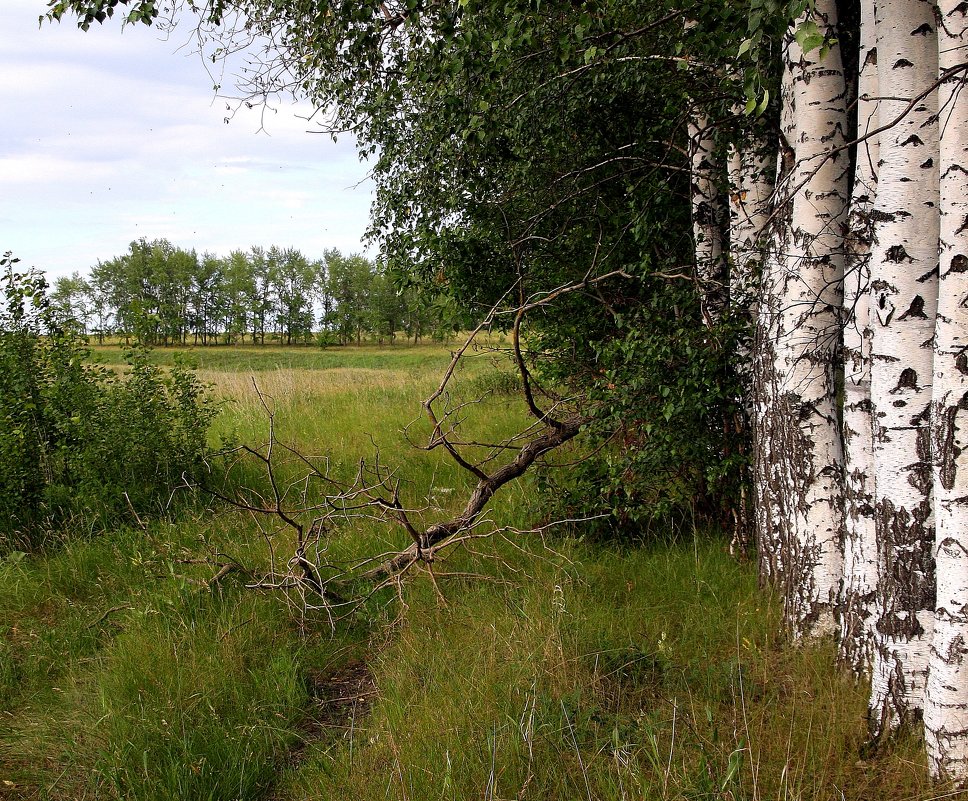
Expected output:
{"points": [[82, 447], [668, 447]]}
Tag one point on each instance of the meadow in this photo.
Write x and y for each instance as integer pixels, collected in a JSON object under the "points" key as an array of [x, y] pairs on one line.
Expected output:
{"points": [[525, 667]]}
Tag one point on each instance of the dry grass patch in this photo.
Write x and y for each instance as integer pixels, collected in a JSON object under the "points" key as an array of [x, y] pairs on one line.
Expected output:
{"points": [[288, 385]]}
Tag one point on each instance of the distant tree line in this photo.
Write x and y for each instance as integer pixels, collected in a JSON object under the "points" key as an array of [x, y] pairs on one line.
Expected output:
{"points": [[158, 294]]}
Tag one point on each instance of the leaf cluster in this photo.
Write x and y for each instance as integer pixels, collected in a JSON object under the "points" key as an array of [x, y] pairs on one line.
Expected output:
{"points": [[82, 447]]}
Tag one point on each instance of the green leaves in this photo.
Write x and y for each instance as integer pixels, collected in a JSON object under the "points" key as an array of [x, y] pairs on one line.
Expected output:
{"points": [[78, 445], [809, 36]]}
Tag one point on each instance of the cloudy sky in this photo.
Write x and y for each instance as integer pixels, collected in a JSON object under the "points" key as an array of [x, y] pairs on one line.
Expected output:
{"points": [[112, 135]]}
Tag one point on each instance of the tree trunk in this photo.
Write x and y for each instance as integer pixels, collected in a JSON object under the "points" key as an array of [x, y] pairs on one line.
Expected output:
{"points": [[904, 296], [768, 419], [708, 216], [946, 705], [752, 168], [860, 543], [809, 333]]}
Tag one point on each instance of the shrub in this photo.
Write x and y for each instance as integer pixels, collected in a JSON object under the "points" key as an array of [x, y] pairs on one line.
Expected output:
{"points": [[666, 425], [82, 447]]}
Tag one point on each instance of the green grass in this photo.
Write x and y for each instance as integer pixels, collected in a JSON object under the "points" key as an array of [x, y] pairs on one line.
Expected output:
{"points": [[528, 668], [649, 674]]}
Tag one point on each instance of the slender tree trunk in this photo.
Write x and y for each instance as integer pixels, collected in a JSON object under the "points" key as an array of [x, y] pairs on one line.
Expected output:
{"points": [[809, 334], [768, 418], [860, 543], [708, 216], [904, 297], [752, 168], [946, 706]]}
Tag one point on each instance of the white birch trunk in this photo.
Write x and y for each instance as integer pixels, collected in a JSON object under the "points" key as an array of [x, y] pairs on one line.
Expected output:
{"points": [[708, 216], [904, 296], [860, 544], [752, 168], [809, 334], [768, 418], [946, 706]]}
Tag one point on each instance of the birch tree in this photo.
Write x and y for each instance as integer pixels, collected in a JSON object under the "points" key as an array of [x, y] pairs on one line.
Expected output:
{"points": [[708, 212], [946, 706], [904, 264], [860, 547], [807, 337], [769, 429], [752, 169]]}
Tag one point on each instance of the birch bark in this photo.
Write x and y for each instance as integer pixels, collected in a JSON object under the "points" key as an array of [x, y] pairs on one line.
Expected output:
{"points": [[769, 429], [860, 545], [708, 215], [946, 705], [904, 296], [752, 167], [809, 333]]}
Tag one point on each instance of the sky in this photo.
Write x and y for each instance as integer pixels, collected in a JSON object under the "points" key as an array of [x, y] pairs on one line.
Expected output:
{"points": [[117, 134]]}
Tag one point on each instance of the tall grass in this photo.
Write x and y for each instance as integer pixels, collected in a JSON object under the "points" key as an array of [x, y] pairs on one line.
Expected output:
{"points": [[651, 674]]}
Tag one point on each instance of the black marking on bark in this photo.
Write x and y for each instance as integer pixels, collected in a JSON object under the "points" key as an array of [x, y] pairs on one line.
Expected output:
{"points": [[915, 310], [924, 419], [907, 380], [927, 164], [897, 254], [914, 140], [902, 62], [900, 626], [923, 30], [899, 404], [946, 452], [963, 226], [959, 263], [956, 651], [882, 216], [921, 475], [932, 273], [871, 57], [885, 309], [961, 362], [906, 546]]}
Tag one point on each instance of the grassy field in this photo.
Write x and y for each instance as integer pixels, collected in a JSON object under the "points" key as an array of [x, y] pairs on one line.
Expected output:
{"points": [[526, 668]]}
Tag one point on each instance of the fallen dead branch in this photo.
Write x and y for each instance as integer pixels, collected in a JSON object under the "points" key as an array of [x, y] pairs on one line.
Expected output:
{"points": [[317, 504]]}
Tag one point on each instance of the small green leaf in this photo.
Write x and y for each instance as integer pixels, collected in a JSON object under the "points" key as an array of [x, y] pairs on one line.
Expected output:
{"points": [[764, 102]]}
